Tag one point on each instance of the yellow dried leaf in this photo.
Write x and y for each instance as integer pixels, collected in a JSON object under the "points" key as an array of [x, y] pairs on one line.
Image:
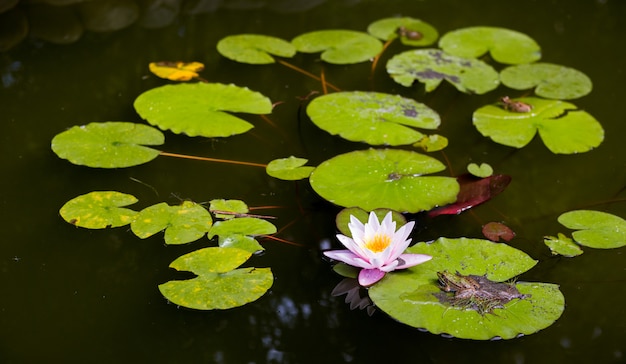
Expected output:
{"points": [[176, 71]]}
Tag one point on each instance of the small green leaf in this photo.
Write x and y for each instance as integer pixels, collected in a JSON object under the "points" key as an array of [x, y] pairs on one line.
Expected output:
{"points": [[552, 81], [343, 218], [199, 109], [596, 229], [412, 32], [254, 48], [227, 209], [562, 126], [218, 284], [482, 171], [372, 117], [504, 45], [432, 66], [339, 46], [432, 143], [182, 224], [346, 270], [289, 169], [99, 210], [242, 225], [562, 245], [108, 145], [240, 241]]}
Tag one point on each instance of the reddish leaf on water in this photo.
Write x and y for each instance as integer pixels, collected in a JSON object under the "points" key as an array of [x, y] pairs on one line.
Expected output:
{"points": [[495, 231], [473, 191]]}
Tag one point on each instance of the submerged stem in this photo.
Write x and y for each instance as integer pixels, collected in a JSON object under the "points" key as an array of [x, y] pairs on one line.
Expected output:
{"points": [[167, 154], [375, 61], [307, 73]]}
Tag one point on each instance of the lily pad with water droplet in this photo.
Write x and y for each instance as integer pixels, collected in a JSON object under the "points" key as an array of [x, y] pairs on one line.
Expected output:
{"points": [[384, 178], [99, 210], [484, 170], [254, 48], [108, 145], [432, 66], [218, 284], [182, 224], [552, 81], [412, 32], [596, 229], [372, 117], [200, 109], [339, 46], [289, 169], [562, 245], [561, 125], [409, 296], [504, 45]]}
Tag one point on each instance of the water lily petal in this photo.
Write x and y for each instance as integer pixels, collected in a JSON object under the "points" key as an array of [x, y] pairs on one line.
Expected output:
{"points": [[354, 246], [367, 277], [391, 266], [410, 260], [348, 257]]}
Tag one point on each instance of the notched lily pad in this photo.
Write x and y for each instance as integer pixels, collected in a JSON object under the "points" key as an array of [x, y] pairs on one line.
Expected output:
{"points": [[182, 224], [254, 48], [289, 169], [108, 145], [562, 245], [483, 170], [99, 210], [200, 109], [227, 209], [411, 31], [339, 46], [595, 229], [240, 241], [250, 226], [432, 143], [562, 126], [504, 45], [384, 178], [372, 117], [218, 284], [432, 66], [551, 81]]}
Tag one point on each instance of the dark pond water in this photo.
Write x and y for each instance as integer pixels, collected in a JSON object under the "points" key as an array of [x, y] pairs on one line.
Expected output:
{"points": [[75, 295]]}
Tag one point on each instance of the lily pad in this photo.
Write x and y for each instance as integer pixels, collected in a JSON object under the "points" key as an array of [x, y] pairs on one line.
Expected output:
{"points": [[552, 81], [412, 32], [199, 109], [243, 225], [289, 169], [343, 218], [484, 170], [99, 210], [562, 126], [372, 117], [218, 284], [254, 48], [227, 209], [504, 45], [410, 296], [339, 46], [384, 178], [432, 143], [108, 145], [240, 241], [596, 229], [495, 231], [432, 66], [562, 245], [182, 224], [176, 71]]}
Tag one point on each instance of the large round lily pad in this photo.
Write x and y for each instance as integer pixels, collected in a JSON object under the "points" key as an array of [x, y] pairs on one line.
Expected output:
{"points": [[432, 66], [339, 46], [254, 48], [384, 178], [504, 45], [200, 109], [595, 229], [552, 81], [372, 117], [99, 210], [108, 145], [411, 296], [411, 31], [562, 126]]}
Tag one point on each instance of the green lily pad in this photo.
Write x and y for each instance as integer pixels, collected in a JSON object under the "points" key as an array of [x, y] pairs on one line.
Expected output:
{"points": [[182, 224], [251, 226], [254, 48], [432, 143], [432, 66], [596, 229], [409, 296], [240, 241], [99, 210], [343, 218], [562, 245], [482, 171], [199, 109], [289, 169], [111, 144], [384, 178], [227, 209], [504, 45], [218, 284], [562, 126], [339, 46], [372, 117], [412, 32], [552, 81]]}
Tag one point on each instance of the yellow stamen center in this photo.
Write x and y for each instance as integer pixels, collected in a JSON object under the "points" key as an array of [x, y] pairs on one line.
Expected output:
{"points": [[378, 243]]}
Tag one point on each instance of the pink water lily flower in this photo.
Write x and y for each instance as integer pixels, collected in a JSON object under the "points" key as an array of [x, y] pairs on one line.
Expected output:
{"points": [[377, 248]]}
